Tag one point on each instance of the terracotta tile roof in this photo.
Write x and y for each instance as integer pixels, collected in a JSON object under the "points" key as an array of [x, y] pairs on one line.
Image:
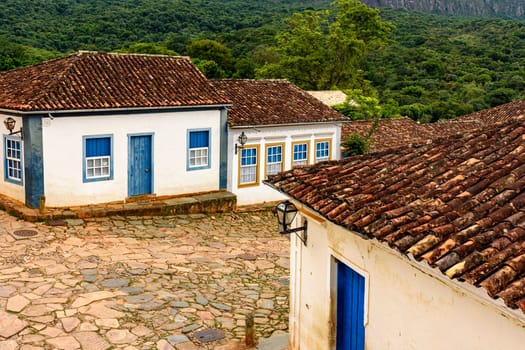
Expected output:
{"points": [[269, 102], [390, 133], [90, 80], [499, 114], [458, 204], [402, 132]]}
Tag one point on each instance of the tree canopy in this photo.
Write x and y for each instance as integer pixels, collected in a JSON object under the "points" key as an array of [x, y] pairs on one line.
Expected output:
{"points": [[325, 49]]}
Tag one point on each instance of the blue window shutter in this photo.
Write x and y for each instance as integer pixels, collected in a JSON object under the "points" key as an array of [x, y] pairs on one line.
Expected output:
{"points": [[199, 139], [96, 147], [350, 309]]}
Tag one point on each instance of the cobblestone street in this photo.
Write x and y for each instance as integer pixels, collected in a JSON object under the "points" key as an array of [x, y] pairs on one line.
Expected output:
{"points": [[167, 282]]}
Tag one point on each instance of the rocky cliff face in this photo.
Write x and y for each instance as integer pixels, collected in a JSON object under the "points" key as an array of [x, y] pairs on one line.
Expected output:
{"points": [[514, 9]]}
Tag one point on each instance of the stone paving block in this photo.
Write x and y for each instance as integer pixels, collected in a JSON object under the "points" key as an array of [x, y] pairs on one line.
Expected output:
{"points": [[164, 345], [120, 336], [64, 343], [177, 339], [10, 325], [91, 341], [8, 345], [16, 303]]}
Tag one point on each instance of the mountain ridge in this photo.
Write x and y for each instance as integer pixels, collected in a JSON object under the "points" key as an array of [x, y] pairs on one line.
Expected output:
{"points": [[507, 9]]}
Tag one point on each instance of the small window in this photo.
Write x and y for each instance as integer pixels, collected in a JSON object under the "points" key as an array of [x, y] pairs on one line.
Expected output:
{"points": [[198, 149], [97, 158], [322, 150], [300, 153], [274, 159], [13, 159], [248, 167]]}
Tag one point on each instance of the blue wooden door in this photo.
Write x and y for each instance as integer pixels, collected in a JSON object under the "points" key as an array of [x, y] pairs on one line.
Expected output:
{"points": [[140, 170], [350, 309]]}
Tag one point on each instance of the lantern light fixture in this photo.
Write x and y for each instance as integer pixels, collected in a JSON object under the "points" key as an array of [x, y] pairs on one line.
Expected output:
{"points": [[286, 212], [242, 139], [10, 125]]}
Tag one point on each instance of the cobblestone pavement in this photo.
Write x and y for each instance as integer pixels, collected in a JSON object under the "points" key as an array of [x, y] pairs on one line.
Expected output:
{"points": [[142, 282]]}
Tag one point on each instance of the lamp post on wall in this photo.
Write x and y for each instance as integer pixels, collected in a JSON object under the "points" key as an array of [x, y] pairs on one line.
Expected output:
{"points": [[10, 125], [286, 213], [242, 139]]}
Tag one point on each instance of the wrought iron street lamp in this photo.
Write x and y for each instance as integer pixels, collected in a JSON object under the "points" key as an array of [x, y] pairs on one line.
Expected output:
{"points": [[242, 139], [10, 125], [286, 213]]}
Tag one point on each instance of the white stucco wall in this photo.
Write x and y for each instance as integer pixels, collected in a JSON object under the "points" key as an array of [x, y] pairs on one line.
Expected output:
{"points": [[409, 305], [13, 190], [262, 136], [62, 144]]}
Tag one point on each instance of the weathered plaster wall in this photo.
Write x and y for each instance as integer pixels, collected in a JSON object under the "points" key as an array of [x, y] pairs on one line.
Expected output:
{"points": [[409, 306], [62, 139], [267, 135]]}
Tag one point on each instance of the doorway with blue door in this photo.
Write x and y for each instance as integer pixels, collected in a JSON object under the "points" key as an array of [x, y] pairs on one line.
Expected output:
{"points": [[350, 308], [140, 164]]}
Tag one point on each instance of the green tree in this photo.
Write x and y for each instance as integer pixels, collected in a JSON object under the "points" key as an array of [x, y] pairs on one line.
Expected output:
{"points": [[325, 49], [212, 51], [356, 144]]}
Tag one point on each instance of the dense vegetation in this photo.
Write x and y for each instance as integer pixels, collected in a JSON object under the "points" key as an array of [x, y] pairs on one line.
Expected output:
{"points": [[433, 67], [440, 67]]}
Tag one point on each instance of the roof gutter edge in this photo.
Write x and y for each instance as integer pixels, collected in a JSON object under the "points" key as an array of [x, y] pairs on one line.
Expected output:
{"points": [[105, 110], [287, 124]]}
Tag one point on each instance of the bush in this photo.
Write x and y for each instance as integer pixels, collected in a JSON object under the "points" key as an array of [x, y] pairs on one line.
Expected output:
{"points": [[355, 144]]}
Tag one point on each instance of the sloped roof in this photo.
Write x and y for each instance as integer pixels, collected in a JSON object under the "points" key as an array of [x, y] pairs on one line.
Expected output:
{"points": [[457, 204], [498, 114], [271, 102], [390, 133], [399, 132], [93, 80]]}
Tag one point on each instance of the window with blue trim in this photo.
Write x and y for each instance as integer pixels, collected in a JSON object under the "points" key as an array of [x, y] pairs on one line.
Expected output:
{"points": [[248, 166], [13, 159], [300, 154], [198, 149], [322, 151], [97, 158], [274, 159]]}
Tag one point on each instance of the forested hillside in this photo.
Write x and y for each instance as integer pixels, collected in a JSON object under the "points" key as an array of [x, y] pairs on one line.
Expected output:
{"points": [[439, 67], [433, 67], [66, 25]]}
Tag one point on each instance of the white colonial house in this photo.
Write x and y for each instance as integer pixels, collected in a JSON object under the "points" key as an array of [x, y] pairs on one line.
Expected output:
{"points": [[282, 127], [419, 247], [98, 127]]}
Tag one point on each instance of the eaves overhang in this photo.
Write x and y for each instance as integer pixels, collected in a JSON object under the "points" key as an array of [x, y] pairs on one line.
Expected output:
{"points": [[69, 112], [251, 126]]}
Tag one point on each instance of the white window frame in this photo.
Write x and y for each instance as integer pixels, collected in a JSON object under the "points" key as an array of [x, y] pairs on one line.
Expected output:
{"points": [[100, 167]]}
